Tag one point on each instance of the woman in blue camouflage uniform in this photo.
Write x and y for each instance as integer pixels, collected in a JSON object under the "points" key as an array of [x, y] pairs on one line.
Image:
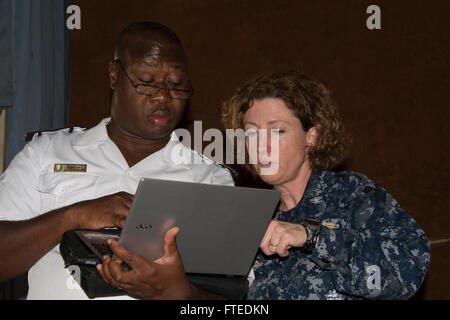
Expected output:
{"points": [[336, 235]]}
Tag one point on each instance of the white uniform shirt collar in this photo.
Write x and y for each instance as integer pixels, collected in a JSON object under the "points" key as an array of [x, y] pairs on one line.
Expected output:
{"points": [[93, 136], [174, 152]]}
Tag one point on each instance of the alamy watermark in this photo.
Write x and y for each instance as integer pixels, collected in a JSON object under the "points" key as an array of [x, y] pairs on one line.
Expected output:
{"points": [[73, 22], [74, 280], [373, 280], [230, 148], [373, 22]]}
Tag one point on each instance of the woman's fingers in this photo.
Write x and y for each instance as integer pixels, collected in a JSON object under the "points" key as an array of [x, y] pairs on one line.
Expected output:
{"points": [[266, 244], [282, 236], [283, 247]]}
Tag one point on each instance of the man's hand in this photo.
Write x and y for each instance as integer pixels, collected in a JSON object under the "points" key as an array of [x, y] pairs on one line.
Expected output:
{"points": [[281, 236], [160, 279], [107, 211]]}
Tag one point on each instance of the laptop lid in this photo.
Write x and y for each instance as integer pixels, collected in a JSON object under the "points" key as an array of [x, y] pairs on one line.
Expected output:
{"points": [[221, 227]]}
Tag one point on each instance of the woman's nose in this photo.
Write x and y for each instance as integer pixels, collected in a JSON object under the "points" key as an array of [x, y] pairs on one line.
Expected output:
{"points": [[264, 143]]}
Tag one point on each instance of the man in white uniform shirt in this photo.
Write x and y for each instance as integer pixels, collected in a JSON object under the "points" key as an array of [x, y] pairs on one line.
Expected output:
{"points": [[85, 179]]}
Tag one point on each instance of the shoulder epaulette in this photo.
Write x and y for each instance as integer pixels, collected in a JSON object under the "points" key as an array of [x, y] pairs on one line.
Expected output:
{"points": [[29, 135], [233, 172]]}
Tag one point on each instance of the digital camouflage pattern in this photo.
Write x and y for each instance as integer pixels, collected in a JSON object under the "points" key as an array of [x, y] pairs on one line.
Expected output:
{"points": [[368, 247]]}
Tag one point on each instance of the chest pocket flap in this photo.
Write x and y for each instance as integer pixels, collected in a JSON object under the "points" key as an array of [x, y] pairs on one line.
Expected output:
{"points": [[62, 189], [62, 183]]}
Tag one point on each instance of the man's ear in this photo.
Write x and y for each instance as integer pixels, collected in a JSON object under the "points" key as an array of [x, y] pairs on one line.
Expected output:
{"points": [[311, 136], [113, 69]]}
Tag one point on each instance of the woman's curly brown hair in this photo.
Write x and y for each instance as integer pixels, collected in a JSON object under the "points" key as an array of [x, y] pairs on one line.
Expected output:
{"points": [[311, 103]]}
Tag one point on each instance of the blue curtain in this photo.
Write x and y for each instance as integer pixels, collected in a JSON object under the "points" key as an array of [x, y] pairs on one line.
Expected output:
{"points": [[6, 78], [34, 80], [34, 36]]}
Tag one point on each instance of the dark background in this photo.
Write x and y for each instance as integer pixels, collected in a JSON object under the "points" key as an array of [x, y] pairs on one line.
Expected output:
{"points": [[391, 84]]}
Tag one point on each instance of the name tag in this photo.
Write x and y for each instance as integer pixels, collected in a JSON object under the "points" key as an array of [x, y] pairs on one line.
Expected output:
{"points": [[70, 167], [330, 225]]}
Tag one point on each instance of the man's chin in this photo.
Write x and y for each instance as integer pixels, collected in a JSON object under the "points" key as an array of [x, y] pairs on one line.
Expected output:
{"points": [[157, 134], [142, 130], [159, 129]]}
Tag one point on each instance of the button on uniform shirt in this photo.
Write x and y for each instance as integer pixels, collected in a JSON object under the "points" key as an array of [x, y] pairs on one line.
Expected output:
{"points": [[58, 169]]}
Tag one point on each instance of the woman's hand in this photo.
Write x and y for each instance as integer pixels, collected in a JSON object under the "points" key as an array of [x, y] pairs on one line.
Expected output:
{"points": [[281, 236], [160, 279]]}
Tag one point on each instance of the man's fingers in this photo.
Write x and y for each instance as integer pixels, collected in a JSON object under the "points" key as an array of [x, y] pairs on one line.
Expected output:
{"points": [[170, 242], [123, 254], [119, 220], [100, 270], [117, 274], [111, 269], [170, 246], [105, 271], [126, 195], [127, 200]]}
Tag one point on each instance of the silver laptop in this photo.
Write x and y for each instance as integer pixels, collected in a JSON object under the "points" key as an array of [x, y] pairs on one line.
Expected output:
{"points": [[221, 227]]}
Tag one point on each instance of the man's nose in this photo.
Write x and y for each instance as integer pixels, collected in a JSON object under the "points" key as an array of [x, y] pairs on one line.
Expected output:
{"points": [[163, 95]]}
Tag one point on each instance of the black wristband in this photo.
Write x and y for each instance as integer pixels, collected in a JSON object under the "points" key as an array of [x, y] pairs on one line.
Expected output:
{"points": [[312, 228]]}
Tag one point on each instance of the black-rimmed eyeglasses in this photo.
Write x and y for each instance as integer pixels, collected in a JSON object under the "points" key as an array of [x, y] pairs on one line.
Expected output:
{"points": [[151, 90]]}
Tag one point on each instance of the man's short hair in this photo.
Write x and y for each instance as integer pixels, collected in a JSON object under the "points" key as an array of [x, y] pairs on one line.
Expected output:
{"points": [[142, 27]]}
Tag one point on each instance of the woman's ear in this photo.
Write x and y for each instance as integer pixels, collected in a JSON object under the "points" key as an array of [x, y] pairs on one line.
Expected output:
{"points": [[113, 69], [311, 137]]}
